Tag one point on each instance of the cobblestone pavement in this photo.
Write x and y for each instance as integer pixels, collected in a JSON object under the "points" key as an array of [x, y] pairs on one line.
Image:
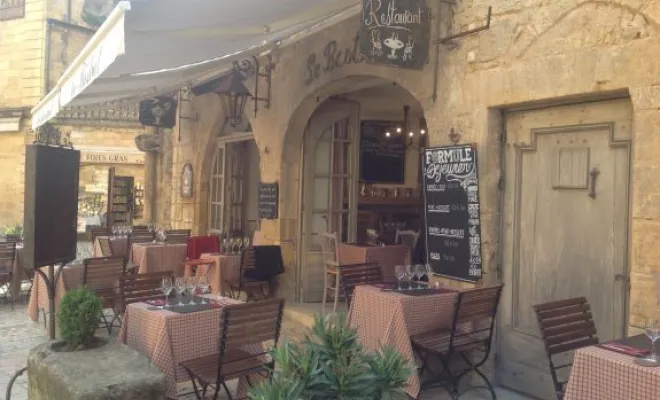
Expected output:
{"points": [[18, 334]]}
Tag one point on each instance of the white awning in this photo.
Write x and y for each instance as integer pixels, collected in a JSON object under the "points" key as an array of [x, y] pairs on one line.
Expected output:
{"points": [[150, 47]]}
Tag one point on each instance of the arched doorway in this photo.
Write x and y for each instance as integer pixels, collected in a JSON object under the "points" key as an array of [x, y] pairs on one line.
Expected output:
{"points": [[333, 168]]}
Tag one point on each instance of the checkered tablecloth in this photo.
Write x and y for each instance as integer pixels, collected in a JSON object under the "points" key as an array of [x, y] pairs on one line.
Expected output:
{"points": [[118, 246], [599, 374], [168, 338], [389, 319], [225, 267], [388, 257], [70, 278], [158, 257]]}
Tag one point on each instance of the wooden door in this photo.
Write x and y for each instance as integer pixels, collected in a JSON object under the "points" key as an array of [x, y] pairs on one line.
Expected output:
{"points": [[565, 227], [329, 193]]}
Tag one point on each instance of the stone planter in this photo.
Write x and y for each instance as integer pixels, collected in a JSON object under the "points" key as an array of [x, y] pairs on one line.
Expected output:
{"points": [[112, 371]]}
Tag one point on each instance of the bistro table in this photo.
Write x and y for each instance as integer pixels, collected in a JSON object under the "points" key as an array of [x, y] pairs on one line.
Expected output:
{"points": [[225, 267], [118, 246], [388, 256], [70, 278], [385, 318], [599, 374], [159, 257], [168, 338]]}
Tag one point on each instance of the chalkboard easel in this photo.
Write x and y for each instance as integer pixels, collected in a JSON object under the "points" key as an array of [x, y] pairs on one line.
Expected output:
{"points": [[268, 200]]}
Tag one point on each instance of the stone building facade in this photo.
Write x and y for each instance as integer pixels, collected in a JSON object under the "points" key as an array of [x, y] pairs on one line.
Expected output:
{"points": [[560, 65], [38, 40]]}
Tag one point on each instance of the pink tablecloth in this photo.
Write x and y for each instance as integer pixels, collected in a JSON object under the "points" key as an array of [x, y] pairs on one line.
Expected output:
{"points": [[389, 319], [158, 257], [168, 338], [71, 278], [225, 267], [599, 374], [388, 257]]}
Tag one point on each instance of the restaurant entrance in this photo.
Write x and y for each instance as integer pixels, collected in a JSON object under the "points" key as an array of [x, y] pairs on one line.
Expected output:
{"points": [[359, 173]]}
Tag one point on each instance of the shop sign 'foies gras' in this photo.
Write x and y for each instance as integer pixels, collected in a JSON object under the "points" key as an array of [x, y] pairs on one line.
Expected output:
{"points": [[395, 32]]}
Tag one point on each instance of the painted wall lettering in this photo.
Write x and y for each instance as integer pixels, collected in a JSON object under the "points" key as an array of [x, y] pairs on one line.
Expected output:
{"points": [[333, 57]]}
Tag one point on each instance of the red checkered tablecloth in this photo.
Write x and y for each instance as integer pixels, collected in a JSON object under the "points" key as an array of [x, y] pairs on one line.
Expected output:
{"points": [[225, 267], [389, 319], [600, 374], [168, 338], [71, 278], [158, 257], [388, 257]]}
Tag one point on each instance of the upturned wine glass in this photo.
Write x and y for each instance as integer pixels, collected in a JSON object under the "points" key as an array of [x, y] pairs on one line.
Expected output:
{"points": [[399, 272], [246, 242], [166, 288], [225, 245], [190, 290], [204, 284], [180, 284]]}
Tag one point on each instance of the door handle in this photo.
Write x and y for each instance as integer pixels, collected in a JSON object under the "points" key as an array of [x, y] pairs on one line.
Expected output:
{"points": [[592, 187]]}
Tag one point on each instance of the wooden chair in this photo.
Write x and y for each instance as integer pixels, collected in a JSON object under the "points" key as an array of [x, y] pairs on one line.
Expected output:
{"points": [[101, 275], [140, 287], [102, 231], [106, 249], [407, 238], [471, 332], [177, 236], [248, 333], [356, 275], [332, 264], [566, 325], [254, 289], [195, 264], [7, 257]]}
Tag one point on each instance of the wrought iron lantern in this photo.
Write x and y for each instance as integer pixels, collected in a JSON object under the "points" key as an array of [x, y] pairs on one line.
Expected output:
{"points": [[234, 94]]}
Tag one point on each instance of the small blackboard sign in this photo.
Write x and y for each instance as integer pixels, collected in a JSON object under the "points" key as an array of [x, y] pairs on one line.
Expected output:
{"points": [[382, 158], [268, 200], [453, 218]]}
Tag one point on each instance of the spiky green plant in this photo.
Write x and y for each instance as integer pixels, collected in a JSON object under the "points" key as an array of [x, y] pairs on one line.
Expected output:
{"points": [[330, 363]]}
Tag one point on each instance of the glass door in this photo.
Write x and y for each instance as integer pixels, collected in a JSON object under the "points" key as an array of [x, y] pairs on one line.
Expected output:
{"points": [[217, 191]]}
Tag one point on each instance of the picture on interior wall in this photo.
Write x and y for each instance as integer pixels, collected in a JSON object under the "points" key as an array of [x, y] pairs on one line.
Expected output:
{"points": [[382, 157]]}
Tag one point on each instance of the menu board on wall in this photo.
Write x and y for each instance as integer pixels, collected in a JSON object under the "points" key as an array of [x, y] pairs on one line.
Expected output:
{"points": [[268, 200], [382, 158], [453, 218]]}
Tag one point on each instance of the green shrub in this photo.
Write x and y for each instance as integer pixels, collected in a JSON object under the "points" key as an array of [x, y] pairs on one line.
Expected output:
{"points": [[331, 364], [79, 315], [14, 229]]}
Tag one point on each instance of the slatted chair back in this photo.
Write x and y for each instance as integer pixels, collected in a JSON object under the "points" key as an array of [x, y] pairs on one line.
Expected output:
{"points": [[101, 231], [330, 249], [177, 236], [407, 238], [141, 287], [360, 274], [566, 325], [257, 323], [106, 249], [248, 262], [103, 272], [474, 318], [140, 237]]}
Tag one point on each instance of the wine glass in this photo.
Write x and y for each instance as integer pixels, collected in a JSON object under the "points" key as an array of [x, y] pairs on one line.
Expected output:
{"points": [[234, 242], [180, 284], [114, 230], [399, 272], [190, 289], [129, 228], [414, 278], [407, 276], [246, 242], [421, 274], [652, 331], [204, 284], [225, 245], [166, 288]]}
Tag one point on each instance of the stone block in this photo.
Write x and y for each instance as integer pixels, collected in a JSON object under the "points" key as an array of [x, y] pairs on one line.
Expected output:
{"points": [[110, 372], [645, 250]]}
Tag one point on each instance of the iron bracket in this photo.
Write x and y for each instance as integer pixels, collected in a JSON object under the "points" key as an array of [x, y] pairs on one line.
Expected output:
{"points": [[252, 67], [468, 32]]}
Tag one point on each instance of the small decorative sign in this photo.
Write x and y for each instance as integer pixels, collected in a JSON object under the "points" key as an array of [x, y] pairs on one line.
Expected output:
{"points": [[395, 32], [268, 200], [452, 210], [158, 111], [187, 181]]}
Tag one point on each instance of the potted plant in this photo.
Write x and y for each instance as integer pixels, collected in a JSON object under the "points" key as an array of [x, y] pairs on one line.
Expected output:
{"points": [[14, 229], [329, 364], [79, 318]]}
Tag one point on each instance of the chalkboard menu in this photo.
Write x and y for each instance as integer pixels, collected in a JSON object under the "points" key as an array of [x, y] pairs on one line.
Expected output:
{"points": [[453, 222], [382, 158], [268, 200]]}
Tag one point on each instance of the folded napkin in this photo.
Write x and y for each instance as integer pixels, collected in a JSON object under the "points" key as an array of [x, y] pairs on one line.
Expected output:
{"points": [[624, 349], [383, 285], [156, 302]]}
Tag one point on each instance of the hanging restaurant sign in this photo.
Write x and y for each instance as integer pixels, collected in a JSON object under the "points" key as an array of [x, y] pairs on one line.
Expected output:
{"points": [[158, 111], [395, 32]]}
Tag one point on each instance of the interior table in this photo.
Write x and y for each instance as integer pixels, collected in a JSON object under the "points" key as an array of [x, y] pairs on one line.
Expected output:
{"points": [[385, 318], [159, 257], [168, 338], [388, 256], [224, 268], [599, 374]]}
